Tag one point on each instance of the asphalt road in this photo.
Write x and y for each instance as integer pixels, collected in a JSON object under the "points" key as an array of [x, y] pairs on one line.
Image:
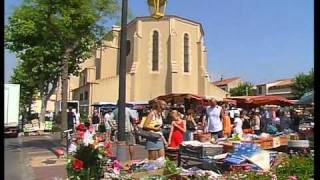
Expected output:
{"points": [[32, 158]]}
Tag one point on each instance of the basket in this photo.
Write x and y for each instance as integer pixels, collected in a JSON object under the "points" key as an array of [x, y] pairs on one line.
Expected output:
{"points": [[204, 137], [284, 140]]}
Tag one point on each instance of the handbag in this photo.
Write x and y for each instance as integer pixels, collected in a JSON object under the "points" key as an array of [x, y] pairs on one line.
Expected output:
{"points": [[190, 126], [147, 134]]}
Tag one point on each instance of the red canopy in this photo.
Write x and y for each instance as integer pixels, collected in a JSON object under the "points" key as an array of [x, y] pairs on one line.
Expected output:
{"points": [[261, 100]]}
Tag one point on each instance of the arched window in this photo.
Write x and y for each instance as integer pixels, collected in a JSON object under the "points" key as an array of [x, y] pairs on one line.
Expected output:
{"points": [[155, 51], [186, 53]]}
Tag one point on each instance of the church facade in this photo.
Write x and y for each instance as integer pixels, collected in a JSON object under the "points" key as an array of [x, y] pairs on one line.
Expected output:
{"points": [[166, 56]]}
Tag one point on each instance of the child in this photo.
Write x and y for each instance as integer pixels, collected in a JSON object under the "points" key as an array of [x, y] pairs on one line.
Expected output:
{"points": [[178, 128]]}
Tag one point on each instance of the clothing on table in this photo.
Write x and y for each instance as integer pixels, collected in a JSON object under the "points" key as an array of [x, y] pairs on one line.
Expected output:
{"points": [[237, 126], [226, 125], [177, 136], [214, 123]]}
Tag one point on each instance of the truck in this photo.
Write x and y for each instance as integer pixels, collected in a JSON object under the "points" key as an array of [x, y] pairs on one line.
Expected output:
{"points": [[11, 109]]}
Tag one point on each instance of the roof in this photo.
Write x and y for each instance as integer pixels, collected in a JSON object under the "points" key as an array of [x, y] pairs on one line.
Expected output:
{"points": [[225, 81], [285, 82], [166, 17]]}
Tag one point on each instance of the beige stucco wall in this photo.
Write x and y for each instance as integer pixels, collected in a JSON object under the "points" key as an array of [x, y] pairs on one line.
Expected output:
{"points": [[234, 84], [144, 84]]}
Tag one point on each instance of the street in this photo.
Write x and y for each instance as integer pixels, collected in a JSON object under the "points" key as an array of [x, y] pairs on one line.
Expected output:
{"points": [[32, 158]]}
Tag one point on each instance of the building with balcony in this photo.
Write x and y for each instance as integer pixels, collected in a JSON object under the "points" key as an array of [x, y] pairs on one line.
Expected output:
{"points": [[281, 87]]}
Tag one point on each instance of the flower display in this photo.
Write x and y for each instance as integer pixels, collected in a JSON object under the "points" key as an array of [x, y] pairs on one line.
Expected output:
{"points": [[77, 164], [89, 154]]}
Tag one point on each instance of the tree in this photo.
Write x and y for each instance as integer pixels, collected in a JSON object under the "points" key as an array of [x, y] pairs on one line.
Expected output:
{"points": [[243, 89], [46, 33], [28, 89], [303, 83]]}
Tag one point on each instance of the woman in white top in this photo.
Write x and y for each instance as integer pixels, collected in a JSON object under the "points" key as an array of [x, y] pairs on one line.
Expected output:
{"points": [[154, 123], [212, 121]]}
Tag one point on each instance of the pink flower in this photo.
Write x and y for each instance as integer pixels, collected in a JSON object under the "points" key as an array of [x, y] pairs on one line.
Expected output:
{"points": [[292, 178]]}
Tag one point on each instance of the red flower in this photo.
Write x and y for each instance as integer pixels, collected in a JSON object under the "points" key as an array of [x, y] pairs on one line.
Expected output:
{"points": [[107, 145], [81, 135], [77, 164], [81, 127]]}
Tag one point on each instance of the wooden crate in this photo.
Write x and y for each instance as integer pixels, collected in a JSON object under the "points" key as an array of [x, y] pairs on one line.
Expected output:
{"points": [[200, 152], [267, 144], [284, 140]]}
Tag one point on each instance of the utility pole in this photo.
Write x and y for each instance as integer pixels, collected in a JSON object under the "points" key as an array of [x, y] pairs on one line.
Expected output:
{"points": [[64, 95], [122, 149]]}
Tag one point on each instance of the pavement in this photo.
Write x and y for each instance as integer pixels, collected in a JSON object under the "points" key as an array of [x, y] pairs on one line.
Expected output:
{"points": [[33, 158]]}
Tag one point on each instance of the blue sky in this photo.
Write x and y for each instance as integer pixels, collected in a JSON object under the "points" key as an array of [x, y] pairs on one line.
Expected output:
{"points": [[257, 40]]}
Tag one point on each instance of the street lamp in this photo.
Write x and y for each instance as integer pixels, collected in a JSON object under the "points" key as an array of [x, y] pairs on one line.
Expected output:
{"points": [[157, 8]]}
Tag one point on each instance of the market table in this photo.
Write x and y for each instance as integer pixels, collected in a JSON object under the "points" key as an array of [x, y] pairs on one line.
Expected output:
{"points": [[200, 153]]}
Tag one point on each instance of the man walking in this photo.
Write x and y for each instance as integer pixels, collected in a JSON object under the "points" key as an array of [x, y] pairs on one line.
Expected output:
{"points": [[212, 121], [129, 136]]}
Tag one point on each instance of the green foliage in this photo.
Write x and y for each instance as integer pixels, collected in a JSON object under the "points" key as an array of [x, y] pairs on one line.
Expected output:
{"points": [[303, 83], [300, 166], [242, 90], [170, 167], [43, 33], [28, 89]]}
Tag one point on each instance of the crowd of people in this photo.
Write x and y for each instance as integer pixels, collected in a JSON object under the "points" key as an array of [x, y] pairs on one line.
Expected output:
{"points": [[216, 119]]}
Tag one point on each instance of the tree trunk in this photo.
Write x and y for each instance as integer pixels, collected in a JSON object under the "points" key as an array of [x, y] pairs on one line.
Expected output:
{"points": [[43, 109]]}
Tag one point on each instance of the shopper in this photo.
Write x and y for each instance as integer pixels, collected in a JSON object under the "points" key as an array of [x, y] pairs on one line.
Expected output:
{"points": [[246, 124], [212, 121], [107, 123], [284, 121], [237, 124], [129, 136], [226, 125], [71, 119], [153, 124], [257, 123], [95, 120], [190, 124], [178, 128]]}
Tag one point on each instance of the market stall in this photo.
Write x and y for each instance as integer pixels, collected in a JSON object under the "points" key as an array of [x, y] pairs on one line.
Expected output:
{"points": [[256, 101]]}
